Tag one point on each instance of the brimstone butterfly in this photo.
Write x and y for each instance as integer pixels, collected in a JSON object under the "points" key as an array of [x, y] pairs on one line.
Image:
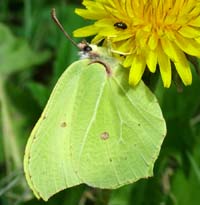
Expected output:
{"points": [[95, 129]]}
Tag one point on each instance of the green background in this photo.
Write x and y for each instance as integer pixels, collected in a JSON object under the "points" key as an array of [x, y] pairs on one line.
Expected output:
{"points": [[33, 54]]}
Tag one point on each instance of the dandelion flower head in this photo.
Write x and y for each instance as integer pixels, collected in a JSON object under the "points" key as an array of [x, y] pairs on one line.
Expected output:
{"points": [[150, 33]]}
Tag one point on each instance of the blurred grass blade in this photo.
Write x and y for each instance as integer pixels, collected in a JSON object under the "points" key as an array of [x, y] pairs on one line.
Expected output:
{"points": [[195, 166], [9, 185]]}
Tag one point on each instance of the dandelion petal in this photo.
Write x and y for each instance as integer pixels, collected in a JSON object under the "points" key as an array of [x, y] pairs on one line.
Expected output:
{"points": [[179, 60], [85, 31], [189, 31], [137, 70], [189, 46], [184, 72], [151, 60], [165, 67]]}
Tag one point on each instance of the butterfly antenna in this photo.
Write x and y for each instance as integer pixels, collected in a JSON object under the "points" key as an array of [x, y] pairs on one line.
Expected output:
{"points": [[53, 15]]}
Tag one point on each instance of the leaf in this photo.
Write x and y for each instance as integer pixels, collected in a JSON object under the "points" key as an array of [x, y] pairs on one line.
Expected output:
{"points": [[121, 196], [39, 92], [15, 54], [95, 129], [185, 189]]}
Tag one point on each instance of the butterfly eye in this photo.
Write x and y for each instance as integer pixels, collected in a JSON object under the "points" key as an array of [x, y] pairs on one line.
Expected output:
{"points": [[87, 48], [120, 25]]}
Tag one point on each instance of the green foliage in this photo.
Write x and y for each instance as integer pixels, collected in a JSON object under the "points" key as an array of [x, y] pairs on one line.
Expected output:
{"points": [[176, 174], [15, 54]]}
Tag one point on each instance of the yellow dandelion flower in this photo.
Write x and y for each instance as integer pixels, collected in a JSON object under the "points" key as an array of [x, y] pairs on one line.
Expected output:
{"points": [[150, 33]]}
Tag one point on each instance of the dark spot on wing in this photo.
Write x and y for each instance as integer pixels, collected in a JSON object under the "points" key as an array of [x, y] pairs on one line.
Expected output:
{"points": [[44, 117], [104, 135], [34, 137], [63, 124]]}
